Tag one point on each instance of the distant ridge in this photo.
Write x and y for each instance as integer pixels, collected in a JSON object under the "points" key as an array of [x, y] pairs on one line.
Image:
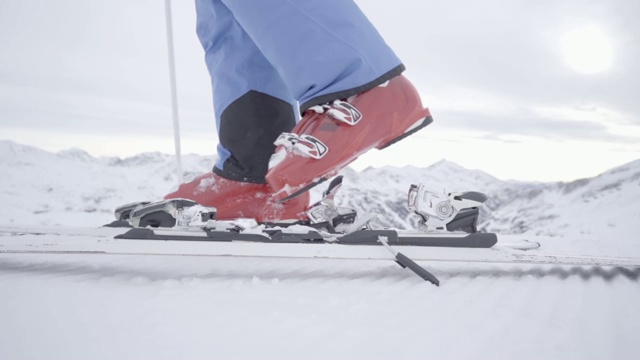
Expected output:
{"points": [[73, 188]]}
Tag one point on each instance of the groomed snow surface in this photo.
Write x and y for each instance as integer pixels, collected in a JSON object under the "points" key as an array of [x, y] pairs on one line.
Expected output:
{"points": [[167, 307]]}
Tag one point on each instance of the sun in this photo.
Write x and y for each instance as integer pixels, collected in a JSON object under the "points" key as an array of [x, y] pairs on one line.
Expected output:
{"points": [[587, 50]]}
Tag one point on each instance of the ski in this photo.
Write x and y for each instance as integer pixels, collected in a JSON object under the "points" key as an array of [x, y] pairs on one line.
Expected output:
{"points": [[194, 234], [103, 241], [180, 227], [360, 237]]}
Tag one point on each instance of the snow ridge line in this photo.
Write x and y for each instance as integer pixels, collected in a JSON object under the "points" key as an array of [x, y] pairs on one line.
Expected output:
{"points": [[585, 273], [537, 272]]}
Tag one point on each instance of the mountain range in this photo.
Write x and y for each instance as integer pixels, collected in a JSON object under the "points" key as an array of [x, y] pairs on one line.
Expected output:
{"points": [[73, 188]]}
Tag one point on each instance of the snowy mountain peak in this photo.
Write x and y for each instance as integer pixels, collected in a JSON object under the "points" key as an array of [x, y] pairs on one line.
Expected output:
{"points": [[76, 154], [630, 166], [9, 149], [142, 159], [446, 164]]}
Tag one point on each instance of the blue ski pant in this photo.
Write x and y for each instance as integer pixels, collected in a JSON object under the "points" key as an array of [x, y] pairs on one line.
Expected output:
{"points": [[271, 59]]}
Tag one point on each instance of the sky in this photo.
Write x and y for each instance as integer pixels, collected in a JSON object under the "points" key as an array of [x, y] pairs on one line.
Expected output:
{"points": [[528, 90]]}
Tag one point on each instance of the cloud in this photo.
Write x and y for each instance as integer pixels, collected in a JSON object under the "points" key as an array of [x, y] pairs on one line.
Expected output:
{"points": [[528, 123], [494, 67], [513, 49]]}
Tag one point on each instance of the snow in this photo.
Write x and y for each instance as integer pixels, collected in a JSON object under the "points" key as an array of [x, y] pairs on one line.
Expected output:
{"points": [[105, 307], [76, 306]]}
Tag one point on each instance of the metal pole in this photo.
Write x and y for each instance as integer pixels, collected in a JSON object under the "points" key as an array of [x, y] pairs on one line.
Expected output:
{"points": [[174, 91]]}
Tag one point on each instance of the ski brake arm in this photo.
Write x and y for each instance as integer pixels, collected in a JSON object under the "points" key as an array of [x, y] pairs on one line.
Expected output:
{"points": [[405, 262]]}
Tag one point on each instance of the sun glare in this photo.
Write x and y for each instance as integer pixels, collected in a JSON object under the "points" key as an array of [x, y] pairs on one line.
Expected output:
{"points": [[587, 50]]}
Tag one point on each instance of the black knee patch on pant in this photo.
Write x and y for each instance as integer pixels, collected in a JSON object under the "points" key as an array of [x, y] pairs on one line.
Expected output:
{"points": [[248, 128]]}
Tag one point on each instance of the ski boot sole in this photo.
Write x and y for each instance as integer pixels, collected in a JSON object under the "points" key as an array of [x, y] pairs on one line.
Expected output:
{"points": [[421, 124]]}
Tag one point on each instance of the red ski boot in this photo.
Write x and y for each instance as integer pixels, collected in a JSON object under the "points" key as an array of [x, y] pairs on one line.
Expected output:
{"points": [[234, 199], [331, 136]]}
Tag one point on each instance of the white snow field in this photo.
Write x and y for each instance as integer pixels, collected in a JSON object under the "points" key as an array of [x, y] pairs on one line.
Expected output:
{"points": [[163, 307], [80, 306]]}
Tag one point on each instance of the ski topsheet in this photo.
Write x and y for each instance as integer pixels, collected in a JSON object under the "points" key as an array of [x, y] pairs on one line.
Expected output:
{"points": [[360, 237]]}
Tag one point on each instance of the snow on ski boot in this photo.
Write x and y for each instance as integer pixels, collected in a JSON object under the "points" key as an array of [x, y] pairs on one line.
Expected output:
{"points": [[331, 136], [442, 211], [171, 213], [234, 199]]}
